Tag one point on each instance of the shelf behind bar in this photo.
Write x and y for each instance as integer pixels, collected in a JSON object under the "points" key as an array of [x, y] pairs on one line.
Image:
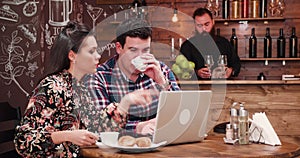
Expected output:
{"points": [[238, 82], [245, 59], [251, 19], [270, 59]]}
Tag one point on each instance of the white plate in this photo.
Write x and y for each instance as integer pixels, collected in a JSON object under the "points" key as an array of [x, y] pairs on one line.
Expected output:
{"points": [[134, 149]]}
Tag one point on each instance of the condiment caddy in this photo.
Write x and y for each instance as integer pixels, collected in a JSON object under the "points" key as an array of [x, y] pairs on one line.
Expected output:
{"points": [[237, 131]]}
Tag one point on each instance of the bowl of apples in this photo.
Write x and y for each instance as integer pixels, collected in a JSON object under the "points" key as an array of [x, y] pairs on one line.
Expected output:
{"points": [[182, 68]]}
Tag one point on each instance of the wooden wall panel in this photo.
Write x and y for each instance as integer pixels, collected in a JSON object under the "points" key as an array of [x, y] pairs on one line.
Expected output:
{"points": [[249, 69]]}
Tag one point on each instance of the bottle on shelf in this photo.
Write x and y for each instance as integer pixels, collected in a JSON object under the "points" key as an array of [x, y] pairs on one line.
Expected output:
{"points": [[267, 44], [235, 9], [234, 41], [254, 8], [252, 44], [293, 44], [225, 9], [244, 8], [281, 44], [263, 8]]}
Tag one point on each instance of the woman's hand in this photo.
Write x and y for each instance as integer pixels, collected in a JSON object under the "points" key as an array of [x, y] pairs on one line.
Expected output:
{"points": [[78, 137]]}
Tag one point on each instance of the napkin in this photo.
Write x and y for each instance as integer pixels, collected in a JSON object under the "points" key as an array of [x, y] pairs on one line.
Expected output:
{"points": [[261, 130]]}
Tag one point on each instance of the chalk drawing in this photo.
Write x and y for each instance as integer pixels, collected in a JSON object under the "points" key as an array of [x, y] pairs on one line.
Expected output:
{"points": [[3, 28], [32, 67], [107, 47], [30, 8], [29, 32], [8, 14], [94, 13], [14, 2], [59, 12], [32, 55], [12, 57]]}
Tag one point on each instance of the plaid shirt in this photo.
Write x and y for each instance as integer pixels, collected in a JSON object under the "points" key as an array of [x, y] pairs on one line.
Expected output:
{"points": [[109, 85]]}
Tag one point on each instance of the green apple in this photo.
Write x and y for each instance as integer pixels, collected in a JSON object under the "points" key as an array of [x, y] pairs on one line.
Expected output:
{"points": [[191, 65], [184, 64], [176, 69], [186, 75], [180, 58]]}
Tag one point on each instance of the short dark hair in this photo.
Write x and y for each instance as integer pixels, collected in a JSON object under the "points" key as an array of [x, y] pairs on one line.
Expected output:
{"points": [[134, 27], [70, 38], [202, 11]]}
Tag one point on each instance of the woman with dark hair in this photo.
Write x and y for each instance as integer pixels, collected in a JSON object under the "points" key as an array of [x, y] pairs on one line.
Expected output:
{"points": [[59, 111]]}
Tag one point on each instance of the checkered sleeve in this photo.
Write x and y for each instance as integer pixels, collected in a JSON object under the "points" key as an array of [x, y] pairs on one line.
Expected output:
{"points": [[96, 87], [170, 76]]}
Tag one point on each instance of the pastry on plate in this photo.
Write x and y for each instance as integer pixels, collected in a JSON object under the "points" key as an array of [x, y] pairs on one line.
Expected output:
{"points": [[143, 142], [127, 141]]}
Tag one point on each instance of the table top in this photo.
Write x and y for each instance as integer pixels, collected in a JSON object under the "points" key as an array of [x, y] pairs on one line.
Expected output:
{"points": [[212, 146]]}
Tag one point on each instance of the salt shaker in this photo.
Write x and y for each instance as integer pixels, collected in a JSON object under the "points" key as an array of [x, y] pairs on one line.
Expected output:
{"points": [[229, 132]]}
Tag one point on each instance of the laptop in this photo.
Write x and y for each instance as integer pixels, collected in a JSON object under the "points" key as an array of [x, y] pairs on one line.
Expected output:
{"points": [[182, 116]]}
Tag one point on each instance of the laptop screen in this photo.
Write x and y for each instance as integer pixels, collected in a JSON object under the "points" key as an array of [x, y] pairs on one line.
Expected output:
{"points": [[182, 116]]}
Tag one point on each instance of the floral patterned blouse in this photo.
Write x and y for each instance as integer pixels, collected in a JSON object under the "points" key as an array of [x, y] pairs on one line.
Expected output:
{"points": [[59, 103]]}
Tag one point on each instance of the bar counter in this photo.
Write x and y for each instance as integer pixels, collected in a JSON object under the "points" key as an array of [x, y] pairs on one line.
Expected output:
{"points": [[240, 82]]}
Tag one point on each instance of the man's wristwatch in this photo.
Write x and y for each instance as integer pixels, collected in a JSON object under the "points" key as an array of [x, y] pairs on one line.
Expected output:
{"points": [[166, 85]]}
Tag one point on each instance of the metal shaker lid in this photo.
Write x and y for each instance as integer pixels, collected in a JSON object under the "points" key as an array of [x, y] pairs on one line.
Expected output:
{"points": [[233, 112]]}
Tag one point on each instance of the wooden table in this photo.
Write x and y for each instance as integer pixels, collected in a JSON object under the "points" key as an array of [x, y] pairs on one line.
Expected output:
{"points": [[213, 146]]}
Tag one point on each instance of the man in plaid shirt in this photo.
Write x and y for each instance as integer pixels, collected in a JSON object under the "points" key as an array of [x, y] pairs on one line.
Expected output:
{"points": [[118, 81]]}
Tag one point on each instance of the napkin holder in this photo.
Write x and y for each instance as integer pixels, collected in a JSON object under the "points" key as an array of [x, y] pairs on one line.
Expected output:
{"points": [[261, 130]]}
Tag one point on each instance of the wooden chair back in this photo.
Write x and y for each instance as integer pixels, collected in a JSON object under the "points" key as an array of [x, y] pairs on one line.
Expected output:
{"points": [[9, 119]]}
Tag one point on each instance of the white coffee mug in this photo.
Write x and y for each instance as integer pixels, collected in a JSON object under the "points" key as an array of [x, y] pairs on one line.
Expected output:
{"points": [[109, 138]]}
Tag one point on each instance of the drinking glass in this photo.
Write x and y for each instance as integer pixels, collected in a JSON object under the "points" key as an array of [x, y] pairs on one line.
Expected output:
{"points": [[209, 62], [222, 63]]}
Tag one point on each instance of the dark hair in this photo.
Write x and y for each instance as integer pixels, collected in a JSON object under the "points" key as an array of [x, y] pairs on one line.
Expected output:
{"points": [[70, 38], [202, 11], [134, 27]]}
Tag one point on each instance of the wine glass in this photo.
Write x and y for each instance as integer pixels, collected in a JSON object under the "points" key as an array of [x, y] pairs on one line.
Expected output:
{"points": [[222, 63], [222, 60], [209, 62]]}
